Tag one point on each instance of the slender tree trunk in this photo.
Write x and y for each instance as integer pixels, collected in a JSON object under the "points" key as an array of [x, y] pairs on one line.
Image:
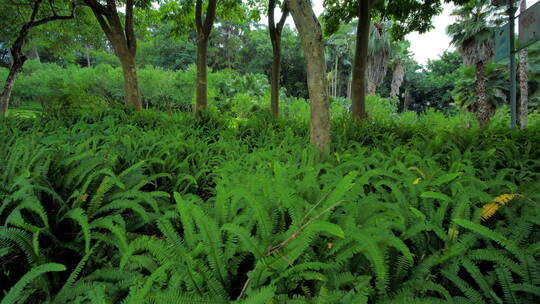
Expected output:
{"points": [[204, 28], [16, 67], [202, 87], [310, 33], [349, 86], [336, 77], [35, 52], [18, 59], [276, 71], [275, 37], [407, 101], [397, 80], [523, 105], [360, 62], [483, 108], [88, 63]]}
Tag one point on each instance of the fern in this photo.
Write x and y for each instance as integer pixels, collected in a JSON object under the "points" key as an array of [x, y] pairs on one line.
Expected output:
{"points": [[15, 292]]}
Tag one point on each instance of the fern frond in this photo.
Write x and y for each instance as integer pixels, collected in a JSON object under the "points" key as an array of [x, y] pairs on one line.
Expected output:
{"points": [[15, 292]]}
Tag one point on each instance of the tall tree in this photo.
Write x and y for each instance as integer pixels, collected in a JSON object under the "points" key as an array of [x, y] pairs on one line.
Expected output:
{"points": [[202, 16], [523, 106], [311, 36], [378, 55], [399, 55], [204, 28], [472, 33], [275, 37], [410, 15], [26, 15], [123, 41]]}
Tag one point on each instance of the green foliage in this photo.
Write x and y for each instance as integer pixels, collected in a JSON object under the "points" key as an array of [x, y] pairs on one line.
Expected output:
{"points": [[151, 207], [465, 94]]}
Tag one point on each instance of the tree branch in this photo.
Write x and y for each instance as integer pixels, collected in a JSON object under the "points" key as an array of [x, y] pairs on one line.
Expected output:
{"points": [[130, 33], [35, 11], [271, 21], [285, 14], [210, 16], [54, 17], [198, 16], [96, 6]]}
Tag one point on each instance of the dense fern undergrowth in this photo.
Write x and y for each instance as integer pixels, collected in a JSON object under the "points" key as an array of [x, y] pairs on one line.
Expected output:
{"points": [[119, 207]]}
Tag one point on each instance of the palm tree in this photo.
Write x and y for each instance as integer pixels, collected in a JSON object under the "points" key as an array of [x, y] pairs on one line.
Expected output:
{"points": [[399, 55], [378, 55], [523, 105], [472, 34]]}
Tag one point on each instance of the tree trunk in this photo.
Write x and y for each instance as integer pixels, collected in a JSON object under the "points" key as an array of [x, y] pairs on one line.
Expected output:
{"points": [[88, 63], [349, 86], [202, 87], [408, 100], [124, 43], [371, 87], [35, 52], [8, 87], [336, 77], [397, 80], [360, 62], [483, 109], [204, 28], [131, 83], [310, 33], [523, 105], [275, 37], [276, 67], [18, 60]]}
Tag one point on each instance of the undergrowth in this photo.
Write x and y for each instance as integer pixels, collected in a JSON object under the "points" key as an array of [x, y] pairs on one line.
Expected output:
{"points": [[111, 206]]}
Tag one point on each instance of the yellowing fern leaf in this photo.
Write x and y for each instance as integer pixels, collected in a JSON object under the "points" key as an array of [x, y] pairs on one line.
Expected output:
{"points": [[498, 202]]}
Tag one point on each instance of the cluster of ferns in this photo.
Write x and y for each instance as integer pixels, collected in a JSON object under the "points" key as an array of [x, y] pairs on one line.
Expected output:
{"points": [[154, 208]]}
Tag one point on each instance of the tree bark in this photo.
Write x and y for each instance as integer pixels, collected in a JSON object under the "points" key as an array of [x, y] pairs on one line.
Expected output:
{"points": [[131, 83], [483, 109], [408, 100], [397, 80], [202, 75], [35, 52], [124, 43], [204, 28], [310, 33], [349, 85], [523, 105], [88, 62], [275, 38], [16, 67], [360, 62]]}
